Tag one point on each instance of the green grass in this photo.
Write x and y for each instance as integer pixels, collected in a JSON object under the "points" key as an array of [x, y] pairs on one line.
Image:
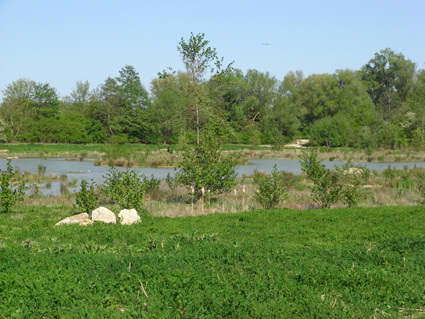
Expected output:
{"points": [[338, 263]]}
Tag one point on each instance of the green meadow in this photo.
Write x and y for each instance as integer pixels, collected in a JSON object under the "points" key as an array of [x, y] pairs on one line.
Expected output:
{"points": [[334, 263]]}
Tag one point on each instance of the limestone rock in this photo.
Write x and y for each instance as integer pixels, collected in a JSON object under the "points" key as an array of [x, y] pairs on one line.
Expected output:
{"points": [[76, 219], [102, 214], [129, 216]]}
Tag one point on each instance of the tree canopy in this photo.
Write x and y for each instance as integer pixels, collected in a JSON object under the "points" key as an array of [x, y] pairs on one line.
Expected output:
{"points": [[380, 105]]}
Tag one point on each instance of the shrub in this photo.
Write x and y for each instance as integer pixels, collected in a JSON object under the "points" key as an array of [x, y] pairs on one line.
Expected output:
{"points": [[12, 187], [204, 170], [271, 189], [151, 186], [87, 198], [327, 189], [124, 188]]}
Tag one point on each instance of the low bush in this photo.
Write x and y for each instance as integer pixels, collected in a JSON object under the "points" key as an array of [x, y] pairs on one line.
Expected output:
{"points": [[124, 188], [328, 188], [86, 200], [12, 187], [271, 188]]}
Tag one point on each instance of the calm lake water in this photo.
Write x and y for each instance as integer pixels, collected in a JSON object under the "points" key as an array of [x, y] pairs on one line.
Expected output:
{"points": [[86, 170]]}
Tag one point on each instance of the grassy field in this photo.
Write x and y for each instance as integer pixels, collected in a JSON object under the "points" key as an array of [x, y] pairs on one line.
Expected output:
{"points": [[336, 263]]}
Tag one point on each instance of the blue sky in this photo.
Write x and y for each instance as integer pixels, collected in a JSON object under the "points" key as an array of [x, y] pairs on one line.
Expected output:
{"points": [[60, 42]]}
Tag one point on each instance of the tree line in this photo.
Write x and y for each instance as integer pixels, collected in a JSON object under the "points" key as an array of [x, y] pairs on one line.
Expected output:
{"points": [[380, 105]]}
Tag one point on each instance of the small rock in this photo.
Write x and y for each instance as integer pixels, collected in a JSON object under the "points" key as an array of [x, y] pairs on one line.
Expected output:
{"points": [[86, 222], [129, 216], [76, 219], [353, 171], [102, 214]]}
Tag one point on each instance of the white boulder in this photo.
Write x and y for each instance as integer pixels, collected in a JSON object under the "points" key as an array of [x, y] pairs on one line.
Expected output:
{"points": [[129, 216], [76, 219], [102, 214]]}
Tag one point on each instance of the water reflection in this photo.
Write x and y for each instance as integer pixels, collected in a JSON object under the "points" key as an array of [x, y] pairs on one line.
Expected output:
{"points": [[86, 170]]}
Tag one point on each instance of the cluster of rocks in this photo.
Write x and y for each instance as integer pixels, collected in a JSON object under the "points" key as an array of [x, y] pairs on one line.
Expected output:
{"points": [[102, 214]]}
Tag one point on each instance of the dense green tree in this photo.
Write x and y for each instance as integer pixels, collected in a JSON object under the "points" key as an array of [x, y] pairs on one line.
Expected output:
{"points": [[121, 104], [390, 78], [233, 96], [331, 132], [134, 95], [46, 100], [318, 97], [17, 106], [352, 98], [260, 94], [74, 129], [105, 105], [281, 124], [170, 109], [415, 102]]}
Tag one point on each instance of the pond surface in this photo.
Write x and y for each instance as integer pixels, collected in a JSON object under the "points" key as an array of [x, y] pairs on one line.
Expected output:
{"points": [[76, 170]]}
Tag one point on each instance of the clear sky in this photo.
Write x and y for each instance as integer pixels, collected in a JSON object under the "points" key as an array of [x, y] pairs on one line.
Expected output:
{"points": [[62, 41]]}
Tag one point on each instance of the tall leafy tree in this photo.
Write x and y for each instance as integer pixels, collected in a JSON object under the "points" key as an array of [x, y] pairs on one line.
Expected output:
{"points": [[17, 106], [78, 102], [46, 100], [106, 103], [81, 93], [318, 97], [134, 103], [134, 95], [390, 78], [120, 104], [170, 108], [416, 100], [198, 59]]}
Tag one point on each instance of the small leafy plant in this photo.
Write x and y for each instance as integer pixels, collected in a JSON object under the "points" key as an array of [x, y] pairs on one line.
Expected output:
{"points": [[12, 187], [124, 188], [205, 170], [87, 198], [271, 188], [328, 189]]}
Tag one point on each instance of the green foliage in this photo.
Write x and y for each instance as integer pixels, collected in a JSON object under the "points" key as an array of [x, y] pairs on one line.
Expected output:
{"points": [[327, 188], [46, 99], [124, 188], [151, 186], [271, 188], [311, 165], [204, 170], [12, 187], [389, 77], [87, 198], [331, 132]]}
